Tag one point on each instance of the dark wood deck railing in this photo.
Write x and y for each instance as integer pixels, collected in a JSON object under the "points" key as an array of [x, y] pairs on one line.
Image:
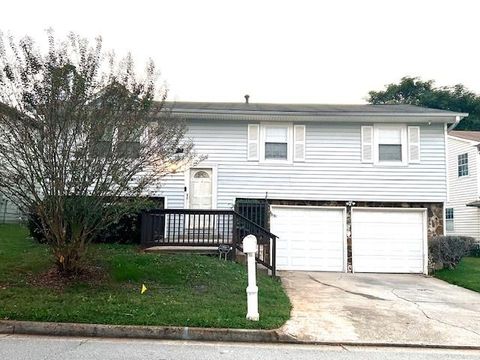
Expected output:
{"points": [[256, 210], [184, 227]]}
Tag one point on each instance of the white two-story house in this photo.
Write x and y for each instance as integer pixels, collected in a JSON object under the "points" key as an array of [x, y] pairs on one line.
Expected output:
{"points": [[350, 187], [462, 209]]}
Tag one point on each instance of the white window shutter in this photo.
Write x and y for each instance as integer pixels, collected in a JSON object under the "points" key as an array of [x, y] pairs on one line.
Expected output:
{"points": [[367, 144], [414, 144], [299, 143], [253, 141]]}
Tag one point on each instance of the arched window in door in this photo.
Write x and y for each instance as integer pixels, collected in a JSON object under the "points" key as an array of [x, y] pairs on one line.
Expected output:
{"points": [[201, 174]]}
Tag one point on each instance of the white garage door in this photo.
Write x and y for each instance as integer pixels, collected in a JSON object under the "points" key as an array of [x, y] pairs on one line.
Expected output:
{"points": [[310, 238], [388, 241]]}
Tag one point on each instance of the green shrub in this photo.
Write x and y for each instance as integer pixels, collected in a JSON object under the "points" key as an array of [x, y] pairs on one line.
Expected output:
{"points": [[35, 228], [476, 250], [126, 230], [447, 251]]}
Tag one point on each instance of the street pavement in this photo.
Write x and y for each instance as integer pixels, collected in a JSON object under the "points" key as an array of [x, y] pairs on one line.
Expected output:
{"points": [[18, 347]]}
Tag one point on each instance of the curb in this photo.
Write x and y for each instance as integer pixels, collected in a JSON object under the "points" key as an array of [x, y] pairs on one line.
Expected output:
{"points": [[11, 327], [142, 332]]}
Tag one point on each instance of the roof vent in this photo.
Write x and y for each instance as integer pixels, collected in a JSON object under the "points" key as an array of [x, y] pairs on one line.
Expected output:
{"points": [[246, 98]]}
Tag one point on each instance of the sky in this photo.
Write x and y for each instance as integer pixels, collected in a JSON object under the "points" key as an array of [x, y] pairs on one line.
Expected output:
{"points": [[324, 51]]}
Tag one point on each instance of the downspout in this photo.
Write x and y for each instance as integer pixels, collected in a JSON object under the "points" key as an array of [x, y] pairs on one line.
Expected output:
{"points": [[454, 125], [447, 180]]}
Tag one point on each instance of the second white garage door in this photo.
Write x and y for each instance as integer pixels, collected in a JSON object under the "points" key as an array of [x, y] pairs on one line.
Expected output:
{"points": [[310, 238], [388, 240]]}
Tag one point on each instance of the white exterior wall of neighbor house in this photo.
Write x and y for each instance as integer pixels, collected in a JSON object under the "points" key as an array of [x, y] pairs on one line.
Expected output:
{"points": [[9, 212], [464, 189], [332, 170]]}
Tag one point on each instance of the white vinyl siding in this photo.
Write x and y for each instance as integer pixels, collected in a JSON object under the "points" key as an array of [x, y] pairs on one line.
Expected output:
{"points": [[333, 171], [173, 189], [463, 189]]}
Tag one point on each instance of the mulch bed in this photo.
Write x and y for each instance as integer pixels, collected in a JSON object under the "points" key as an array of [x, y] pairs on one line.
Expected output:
{"points": [[55, 280]]}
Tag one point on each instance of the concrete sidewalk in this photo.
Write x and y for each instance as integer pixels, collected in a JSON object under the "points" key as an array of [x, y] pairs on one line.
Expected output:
{"points": [[381, 308]]}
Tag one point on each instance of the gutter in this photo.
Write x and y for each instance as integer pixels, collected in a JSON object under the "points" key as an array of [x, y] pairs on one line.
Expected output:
{"points": [[457, 121], [458, 116], [289, 117]]}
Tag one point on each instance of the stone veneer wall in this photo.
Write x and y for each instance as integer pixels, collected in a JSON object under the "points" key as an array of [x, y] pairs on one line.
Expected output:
{"points": [[434, 215]]}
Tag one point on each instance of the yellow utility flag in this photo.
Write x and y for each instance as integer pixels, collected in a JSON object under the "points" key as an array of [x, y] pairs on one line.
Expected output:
{"points": [[144, 288]]}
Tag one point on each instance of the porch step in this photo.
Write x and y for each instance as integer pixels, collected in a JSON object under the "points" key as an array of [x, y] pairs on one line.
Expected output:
{"points": [[241, 258], [203, 250]]}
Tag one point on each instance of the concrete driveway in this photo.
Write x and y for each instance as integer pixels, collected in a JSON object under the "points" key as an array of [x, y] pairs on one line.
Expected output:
{"points": [[381, 308]]}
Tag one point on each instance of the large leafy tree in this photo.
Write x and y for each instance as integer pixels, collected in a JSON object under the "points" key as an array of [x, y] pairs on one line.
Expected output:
{"points": [[82, 136], [414, 91]]}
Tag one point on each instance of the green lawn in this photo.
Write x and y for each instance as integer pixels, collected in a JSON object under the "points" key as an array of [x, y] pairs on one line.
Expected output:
{"points": [[183, 290], [466, 274]]}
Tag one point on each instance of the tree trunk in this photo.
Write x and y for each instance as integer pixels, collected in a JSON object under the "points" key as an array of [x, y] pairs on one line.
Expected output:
{"points": [[70, 256]]}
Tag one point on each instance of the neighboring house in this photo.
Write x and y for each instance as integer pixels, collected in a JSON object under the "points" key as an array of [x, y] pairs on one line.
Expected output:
{"points": [[9, 212], [350, 187], [462, 209]]}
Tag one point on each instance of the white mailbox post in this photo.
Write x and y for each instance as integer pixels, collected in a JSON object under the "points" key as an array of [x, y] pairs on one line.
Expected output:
{"points": [[250, 248]]}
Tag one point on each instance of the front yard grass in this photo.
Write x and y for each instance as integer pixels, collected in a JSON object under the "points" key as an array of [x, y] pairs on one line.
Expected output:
{"points": [[183, 290], [466, 274]]}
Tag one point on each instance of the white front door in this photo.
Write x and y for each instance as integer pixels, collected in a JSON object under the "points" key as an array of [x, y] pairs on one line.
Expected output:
{"points": [[388, 240], [309, 238], [200, 189]]}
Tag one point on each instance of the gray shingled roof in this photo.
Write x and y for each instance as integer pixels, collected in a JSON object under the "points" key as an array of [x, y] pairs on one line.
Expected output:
{"points": [[469, 135], [313, 109], [474, 204]]}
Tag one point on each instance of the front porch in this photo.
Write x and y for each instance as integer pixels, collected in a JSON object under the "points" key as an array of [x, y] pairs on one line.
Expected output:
{"points": [[210, 230]]}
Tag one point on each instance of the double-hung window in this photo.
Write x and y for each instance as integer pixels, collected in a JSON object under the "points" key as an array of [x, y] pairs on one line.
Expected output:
{"points": [[462, 165], [128, 144], [102, 142], [449, 219], [276, 142], [390, 144]]}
